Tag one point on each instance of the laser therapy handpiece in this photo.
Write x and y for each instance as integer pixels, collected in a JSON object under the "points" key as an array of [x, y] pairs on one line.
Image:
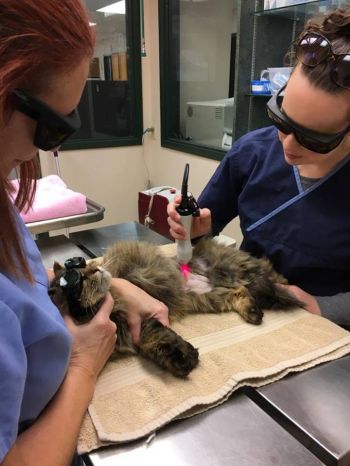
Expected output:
{"points": [[188, 208]]}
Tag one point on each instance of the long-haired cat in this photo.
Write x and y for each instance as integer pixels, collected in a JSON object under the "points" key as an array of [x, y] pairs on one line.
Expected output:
{"points": [[233, 281]]}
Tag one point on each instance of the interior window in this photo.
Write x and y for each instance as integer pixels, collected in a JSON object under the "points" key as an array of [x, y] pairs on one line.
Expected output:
{"points": [[110, 105], [199, 72]]}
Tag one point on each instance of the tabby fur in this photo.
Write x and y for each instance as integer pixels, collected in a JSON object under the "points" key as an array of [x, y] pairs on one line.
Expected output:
{"points": [[237, 282]]}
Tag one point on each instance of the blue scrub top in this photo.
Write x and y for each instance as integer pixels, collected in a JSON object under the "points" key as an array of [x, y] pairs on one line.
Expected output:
{"points": [[306, 234], [34, 346]]}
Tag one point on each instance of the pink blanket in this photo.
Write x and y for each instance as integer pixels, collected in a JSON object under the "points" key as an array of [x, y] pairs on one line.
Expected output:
{"points": [[52, 200]]}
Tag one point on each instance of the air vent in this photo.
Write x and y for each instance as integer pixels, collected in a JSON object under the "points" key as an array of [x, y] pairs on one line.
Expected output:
{"points": [[219, 113]]}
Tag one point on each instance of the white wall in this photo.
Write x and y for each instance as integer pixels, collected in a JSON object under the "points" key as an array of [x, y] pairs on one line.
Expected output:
{"points": [[113, 177]]}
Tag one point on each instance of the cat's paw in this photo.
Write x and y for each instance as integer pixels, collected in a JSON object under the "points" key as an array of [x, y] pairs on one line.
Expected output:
{"points": [[254, 316], [179, 357]]}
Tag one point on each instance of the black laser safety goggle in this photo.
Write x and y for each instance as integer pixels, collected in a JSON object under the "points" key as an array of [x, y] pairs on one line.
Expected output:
{"points": [[52, 128], [72, 279], [314, 49], [316, 142]]}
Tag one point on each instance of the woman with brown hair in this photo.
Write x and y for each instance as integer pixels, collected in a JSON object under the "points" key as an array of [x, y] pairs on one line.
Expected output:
{"points": [[48, 366], [289, 183]]}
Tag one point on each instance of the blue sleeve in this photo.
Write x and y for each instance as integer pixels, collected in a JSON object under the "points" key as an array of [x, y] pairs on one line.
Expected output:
{"points": [[13, 369], [222, 191]]}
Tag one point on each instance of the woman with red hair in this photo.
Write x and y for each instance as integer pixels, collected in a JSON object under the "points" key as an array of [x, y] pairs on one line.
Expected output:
{"points": [[48, 366]]}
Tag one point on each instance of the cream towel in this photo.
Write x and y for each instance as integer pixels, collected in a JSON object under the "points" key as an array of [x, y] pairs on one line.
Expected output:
{"points": [[133, 397]]}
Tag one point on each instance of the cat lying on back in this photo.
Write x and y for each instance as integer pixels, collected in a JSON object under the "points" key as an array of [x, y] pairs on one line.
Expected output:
{"points": [[234, 281]]}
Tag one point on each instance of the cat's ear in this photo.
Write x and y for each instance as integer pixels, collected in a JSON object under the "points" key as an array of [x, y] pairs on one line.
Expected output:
{"points": [[57, 268], [59, 299]]}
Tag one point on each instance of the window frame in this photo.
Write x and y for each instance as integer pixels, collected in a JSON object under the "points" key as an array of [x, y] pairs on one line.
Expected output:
{"points": [[133, 34], [167, 84]]}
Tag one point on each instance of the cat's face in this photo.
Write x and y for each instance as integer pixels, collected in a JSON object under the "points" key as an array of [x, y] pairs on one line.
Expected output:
{"points": [[80, 291]]}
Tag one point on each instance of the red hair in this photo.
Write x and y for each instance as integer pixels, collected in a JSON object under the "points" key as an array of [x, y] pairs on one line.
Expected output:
{"points": [[38, 40]]}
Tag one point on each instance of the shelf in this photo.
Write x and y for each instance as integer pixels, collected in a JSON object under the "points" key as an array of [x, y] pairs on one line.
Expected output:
{"points": [[95, 212], [259, 95], [300, 10]]}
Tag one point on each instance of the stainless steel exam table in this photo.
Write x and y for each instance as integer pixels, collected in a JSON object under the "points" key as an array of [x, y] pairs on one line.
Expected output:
{"points": [[301, 420]]}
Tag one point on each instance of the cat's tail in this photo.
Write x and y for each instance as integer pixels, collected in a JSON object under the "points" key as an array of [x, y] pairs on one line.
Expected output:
{"points": [[284, 299]]}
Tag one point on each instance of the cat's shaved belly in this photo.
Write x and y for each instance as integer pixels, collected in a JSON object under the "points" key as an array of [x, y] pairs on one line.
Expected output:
{"points": [[197, 283]]}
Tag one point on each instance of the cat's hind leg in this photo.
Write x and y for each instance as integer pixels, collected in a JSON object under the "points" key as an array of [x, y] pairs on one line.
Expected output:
{"points": [[222, 299], [166, 348]]}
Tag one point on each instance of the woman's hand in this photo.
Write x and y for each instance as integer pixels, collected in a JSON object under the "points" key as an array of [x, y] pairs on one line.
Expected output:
{"points": [[200, 225], [140, 306], [93, 342], [311, 303]]}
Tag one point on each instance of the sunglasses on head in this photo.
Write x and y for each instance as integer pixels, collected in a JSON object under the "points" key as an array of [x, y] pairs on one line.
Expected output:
{"points": [[316, 142], [313, 49], [52, 128]]}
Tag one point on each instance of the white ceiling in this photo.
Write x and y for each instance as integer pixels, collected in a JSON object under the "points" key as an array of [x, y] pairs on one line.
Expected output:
{"points": [[94, 5]]}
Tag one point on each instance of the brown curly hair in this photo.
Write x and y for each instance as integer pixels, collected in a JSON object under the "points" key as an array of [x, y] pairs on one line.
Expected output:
{"points": [[335, 26]]}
